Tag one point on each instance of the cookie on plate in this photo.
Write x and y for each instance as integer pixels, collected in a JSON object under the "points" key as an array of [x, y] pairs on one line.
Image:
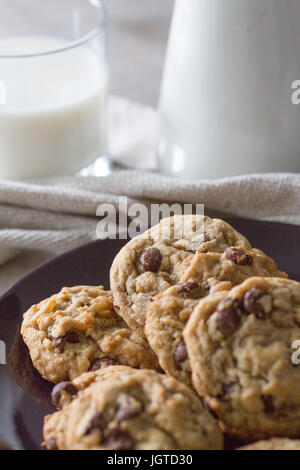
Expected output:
{"points": [[240, 345], [78, 330], [215, 272], [139, 410], [274, 444], [167, 315], [202, 274], [62, 396], [65, 392], [150, 263], [54, 430]]}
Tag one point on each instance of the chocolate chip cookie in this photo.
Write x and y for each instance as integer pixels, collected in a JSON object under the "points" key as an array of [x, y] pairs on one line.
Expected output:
{"points": [[274, 444], [65, 392], [167, 315], [78, 330], [215, 272], [62, 396], [139, 410], [202, 274], [54, 430], [240, 344], [150, 263]]}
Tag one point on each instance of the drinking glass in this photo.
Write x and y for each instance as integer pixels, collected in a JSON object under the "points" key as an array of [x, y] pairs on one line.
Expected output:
{"points": [[54, 82]]}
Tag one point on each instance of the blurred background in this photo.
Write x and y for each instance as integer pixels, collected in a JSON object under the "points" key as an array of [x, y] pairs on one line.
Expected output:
{"points": [[138, 34]]}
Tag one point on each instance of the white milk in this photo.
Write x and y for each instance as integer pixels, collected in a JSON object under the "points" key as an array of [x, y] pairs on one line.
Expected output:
{"points": [[54, 117], [226, 104]]}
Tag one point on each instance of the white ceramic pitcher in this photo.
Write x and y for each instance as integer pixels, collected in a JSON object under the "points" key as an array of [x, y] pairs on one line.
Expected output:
{"points": [[226, 103]]}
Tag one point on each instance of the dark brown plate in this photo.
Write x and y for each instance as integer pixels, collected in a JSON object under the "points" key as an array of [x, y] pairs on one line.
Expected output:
{"points": [[24, 396]]}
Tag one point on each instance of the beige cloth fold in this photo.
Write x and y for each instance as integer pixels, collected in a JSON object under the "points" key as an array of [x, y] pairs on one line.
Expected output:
{"points": [[41, 220], [44, 218]]}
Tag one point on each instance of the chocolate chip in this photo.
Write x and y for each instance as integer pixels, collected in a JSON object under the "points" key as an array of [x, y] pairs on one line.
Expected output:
{"points": [[116, 439], [251, 304], [228, 317], [71, 337], [228, 320], [59, 343], [97, 423], [282, 415], [51, 444], [238, 257], [129, 409], [67, 387], [151, 260], [226, 389], [102, 363], [180, 354], [188, 286], [269, 404]]}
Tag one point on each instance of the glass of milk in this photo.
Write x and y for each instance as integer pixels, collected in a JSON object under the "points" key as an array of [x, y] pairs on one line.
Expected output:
{"points": [[226, 104], [53, 86]]}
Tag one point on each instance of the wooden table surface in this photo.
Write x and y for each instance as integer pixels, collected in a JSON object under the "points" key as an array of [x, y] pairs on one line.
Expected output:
{"points": [[138, 32]]}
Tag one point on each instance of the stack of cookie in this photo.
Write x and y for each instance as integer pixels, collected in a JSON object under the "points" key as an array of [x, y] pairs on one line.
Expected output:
{"points": [[195, 340]]}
